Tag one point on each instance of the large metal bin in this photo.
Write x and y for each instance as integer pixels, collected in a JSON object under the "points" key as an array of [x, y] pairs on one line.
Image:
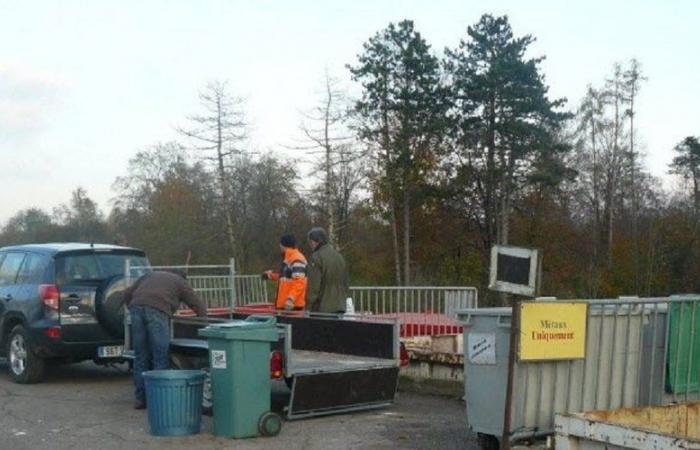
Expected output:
{"points": [[654, 427], [606, 379]]}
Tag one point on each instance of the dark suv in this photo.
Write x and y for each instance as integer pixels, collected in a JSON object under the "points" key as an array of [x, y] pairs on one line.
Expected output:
{"points": [[62, 303]]}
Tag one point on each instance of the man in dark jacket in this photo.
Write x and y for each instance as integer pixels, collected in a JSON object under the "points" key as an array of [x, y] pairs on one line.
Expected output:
{"points": [[328, 275], [152, 301]]}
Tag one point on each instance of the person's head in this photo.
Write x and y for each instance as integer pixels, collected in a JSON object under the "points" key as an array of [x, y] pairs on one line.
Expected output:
{"points": [[287, 241], [317, 236]]}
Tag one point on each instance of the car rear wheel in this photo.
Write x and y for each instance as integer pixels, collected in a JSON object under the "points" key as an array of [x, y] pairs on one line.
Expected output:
{"points": [[25, 367]]}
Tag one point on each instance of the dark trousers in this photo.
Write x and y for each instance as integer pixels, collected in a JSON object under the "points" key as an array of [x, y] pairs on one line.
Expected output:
{"points": [[150, 332]]}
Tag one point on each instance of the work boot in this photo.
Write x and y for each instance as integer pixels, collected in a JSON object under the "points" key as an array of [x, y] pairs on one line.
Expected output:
{"points": [[139, 404]]}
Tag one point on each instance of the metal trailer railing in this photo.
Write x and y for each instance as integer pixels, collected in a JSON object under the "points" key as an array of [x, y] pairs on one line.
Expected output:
{"points": [[639, 352], [423, 310], [218, 285]]}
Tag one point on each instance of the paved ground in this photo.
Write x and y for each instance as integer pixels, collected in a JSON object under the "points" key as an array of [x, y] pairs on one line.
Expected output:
{"points": [[89, 407]]}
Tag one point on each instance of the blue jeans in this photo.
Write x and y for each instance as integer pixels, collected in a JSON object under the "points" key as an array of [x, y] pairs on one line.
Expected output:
{"points": [[150, 332]]}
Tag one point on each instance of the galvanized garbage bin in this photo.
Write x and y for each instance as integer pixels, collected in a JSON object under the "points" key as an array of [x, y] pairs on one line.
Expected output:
{"points": [[606, 378], [239, 359], [174, 399]]}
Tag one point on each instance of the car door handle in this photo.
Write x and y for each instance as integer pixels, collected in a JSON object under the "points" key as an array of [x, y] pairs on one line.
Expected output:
{"points": [[7, 298]]}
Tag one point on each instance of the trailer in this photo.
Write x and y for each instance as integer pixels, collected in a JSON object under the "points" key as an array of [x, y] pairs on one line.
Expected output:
{"points": [[330, 363]]}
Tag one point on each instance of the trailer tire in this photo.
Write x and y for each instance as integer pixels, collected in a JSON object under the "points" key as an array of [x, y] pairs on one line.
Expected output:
{"points": [[182, 362], [269, 424], [207, 395]]}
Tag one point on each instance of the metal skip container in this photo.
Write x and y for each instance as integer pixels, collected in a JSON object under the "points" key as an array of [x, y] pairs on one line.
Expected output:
{"points": [[605, 377], [239, 357], [654, 427]]}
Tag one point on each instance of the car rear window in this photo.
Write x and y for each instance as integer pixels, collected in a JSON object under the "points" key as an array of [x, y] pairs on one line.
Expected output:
{"points": [[75, 268]]}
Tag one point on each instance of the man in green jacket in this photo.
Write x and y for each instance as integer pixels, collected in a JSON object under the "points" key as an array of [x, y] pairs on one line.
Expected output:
{"points": [[328, 275]]}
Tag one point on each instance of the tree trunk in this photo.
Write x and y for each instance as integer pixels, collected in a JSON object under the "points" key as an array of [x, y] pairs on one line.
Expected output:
{"points": [[329, 174], [613, 170], [596, 217], [696, 194], [395, 241], [635, 203], [611, 219], [490, 198], [406, 236], [225, 198]]}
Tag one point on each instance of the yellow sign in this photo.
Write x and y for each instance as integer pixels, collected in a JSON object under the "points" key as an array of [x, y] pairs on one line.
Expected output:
{"points": [[552, 331]]}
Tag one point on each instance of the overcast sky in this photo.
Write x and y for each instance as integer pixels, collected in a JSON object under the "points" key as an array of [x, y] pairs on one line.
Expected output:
{"points": [[84, 85]]}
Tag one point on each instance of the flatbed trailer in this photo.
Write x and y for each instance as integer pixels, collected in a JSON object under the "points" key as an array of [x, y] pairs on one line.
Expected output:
{"points": [[331, 364]]}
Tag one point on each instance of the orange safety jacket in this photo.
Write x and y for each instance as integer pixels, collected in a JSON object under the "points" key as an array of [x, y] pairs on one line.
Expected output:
{"points": [[291, 279]]}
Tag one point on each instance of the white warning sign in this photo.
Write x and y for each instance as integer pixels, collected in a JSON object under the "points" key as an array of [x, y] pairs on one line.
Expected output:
{"points": [[218, 359], [482, 348]]}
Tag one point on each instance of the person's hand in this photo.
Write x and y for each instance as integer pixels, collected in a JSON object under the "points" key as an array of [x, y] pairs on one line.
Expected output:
{"points": [[266, 275], [289, 304]]}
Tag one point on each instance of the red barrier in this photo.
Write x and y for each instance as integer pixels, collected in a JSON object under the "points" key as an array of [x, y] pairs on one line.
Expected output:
{"points": [[411, 324], [422, 324]]}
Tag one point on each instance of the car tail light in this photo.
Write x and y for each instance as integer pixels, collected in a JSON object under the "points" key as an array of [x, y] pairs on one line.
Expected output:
{"points": [[403, 355], [53, 332], [276, 364], [50, 296]]}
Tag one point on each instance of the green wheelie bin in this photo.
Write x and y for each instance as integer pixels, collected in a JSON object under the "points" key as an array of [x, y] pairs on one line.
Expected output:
{"points": [[239, 359]]}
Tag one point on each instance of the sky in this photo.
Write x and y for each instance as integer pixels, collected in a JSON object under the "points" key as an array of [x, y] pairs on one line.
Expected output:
{"points": [[85, 85]]}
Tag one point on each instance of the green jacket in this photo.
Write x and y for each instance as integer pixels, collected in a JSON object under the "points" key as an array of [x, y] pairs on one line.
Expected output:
{"points": [[328, 280]]}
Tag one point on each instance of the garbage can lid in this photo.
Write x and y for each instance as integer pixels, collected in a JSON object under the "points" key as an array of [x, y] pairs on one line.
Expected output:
{"points": [[264, 329]]}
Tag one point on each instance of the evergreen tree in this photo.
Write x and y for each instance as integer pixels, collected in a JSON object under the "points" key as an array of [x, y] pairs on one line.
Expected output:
{"points": [[504, 124], [401, 115]]}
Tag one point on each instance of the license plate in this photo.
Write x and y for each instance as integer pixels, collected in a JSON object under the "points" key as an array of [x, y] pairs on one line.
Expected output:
{"points": [[110, 351]]}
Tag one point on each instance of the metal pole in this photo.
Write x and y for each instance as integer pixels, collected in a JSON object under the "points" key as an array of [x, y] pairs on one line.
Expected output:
{"points": [[127, 318], [232, 285], [512, 354]]}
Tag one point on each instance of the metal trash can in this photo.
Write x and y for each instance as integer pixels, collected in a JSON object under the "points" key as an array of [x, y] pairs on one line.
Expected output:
{"points": [[174, 399], [239, 359], [606, 378]]}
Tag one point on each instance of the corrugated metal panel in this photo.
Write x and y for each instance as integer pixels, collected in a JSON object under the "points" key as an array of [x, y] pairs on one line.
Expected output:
{"points": [[597, 382]]}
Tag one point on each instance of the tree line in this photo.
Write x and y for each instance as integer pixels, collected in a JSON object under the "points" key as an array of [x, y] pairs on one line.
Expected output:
{"points": [[440, 156]]}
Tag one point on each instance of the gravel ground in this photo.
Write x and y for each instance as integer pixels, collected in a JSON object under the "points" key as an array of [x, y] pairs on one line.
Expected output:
{"points": [[84, 406]]}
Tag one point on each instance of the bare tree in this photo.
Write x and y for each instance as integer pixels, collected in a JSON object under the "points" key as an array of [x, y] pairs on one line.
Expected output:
{"points": [[218, 134], [325, 130], [147, 170], [615, 95], [633, 78], [590, 127]]}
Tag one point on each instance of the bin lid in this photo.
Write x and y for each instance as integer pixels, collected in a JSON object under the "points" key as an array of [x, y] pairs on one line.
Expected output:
{"points": [[253, 328]]}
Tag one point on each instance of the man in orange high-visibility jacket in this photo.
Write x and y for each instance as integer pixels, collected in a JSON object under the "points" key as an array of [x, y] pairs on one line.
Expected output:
{"points": [[291, 278]]}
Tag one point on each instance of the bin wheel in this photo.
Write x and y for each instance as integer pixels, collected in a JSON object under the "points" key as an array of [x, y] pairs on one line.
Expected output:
{"points": [[488, 441], [270, 424]]}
